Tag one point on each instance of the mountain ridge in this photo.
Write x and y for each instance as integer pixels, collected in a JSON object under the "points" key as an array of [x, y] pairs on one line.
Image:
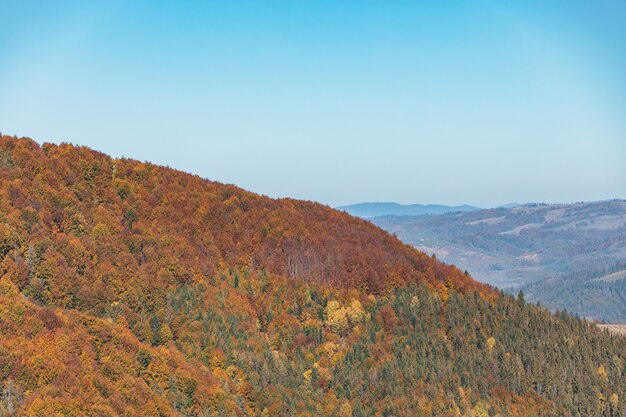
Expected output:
{"points": [[377, 209], [307, 249]]}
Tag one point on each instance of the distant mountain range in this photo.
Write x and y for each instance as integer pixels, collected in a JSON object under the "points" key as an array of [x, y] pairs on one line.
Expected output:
{"points": [[510, 247], [369, 210]]}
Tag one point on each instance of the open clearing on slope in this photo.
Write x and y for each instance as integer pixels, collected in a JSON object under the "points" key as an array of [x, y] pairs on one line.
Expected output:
{"points": [[614, 328], [615, 276], [489, 221], [518, 229]]}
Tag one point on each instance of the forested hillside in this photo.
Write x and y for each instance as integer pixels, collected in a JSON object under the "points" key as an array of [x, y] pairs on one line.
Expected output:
{"points": [[598, 294], [128, 289]]}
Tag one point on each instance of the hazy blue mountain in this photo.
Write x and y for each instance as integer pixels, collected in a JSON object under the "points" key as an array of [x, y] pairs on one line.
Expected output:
{"points": [[511, 205], [369, 210], [511, 247]]}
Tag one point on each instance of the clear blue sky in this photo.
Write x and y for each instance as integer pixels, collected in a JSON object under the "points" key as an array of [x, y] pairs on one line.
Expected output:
{"points": [[334, 101]]}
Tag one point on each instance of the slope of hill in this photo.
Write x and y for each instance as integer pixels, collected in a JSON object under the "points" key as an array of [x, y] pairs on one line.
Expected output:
{"points": [[598, 294], [368, 210], [128, 289], [509, 247]]}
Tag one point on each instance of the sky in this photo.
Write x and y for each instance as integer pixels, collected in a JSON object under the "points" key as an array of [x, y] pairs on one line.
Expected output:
{"points": [[455, 102]]}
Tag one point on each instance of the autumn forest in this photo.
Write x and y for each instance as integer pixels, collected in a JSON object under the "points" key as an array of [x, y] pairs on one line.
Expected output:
{"points": [[130, 289]]}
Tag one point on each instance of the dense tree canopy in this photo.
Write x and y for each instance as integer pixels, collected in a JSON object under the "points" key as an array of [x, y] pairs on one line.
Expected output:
{"points": [[128, 289]]}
